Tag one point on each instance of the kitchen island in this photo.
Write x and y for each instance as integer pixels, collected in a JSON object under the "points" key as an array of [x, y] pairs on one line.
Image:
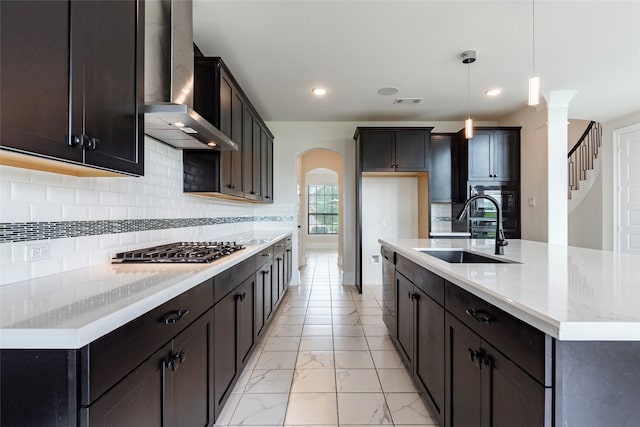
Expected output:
{"points": [[553, 333], [137, 344]]}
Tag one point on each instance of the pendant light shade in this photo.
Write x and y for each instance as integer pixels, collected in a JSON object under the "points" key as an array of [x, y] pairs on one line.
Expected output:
{"points": [[534, 91], [468, 128], [534, 81], [468, 57]]}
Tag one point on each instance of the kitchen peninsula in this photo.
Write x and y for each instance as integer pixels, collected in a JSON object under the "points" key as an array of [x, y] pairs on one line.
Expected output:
{"points": [[549, 337]]}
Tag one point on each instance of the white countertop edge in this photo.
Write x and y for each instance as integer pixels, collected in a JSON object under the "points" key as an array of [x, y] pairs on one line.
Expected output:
{"points": [[70, 339], [563, 331]]}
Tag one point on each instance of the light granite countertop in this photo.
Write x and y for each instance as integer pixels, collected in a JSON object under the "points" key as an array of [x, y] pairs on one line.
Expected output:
{"points": [[570, 293], [71, 309]]}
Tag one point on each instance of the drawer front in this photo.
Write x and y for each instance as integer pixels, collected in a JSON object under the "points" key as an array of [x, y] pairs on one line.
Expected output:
{"points": [[429, 283], [279, 246], [523, 344], [405, 267], [264, 257], [229, 279], [107, 360]]}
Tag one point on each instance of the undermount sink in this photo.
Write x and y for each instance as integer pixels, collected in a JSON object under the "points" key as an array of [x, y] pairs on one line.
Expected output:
{"points": [[459, 256]]}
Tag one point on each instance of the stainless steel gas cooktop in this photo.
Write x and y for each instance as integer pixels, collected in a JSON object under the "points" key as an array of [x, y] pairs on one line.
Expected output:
{"points": [[180, 252]]}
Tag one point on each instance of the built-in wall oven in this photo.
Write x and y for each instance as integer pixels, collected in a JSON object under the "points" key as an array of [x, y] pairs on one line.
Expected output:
{"points": [[482, 214]]}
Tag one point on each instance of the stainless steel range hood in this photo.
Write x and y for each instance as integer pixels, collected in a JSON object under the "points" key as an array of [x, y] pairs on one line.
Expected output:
{"points": [[168, 88]]}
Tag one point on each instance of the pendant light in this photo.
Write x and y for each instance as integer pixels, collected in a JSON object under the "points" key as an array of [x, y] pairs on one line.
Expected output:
{"points": [[534, 81], [468, 57]]}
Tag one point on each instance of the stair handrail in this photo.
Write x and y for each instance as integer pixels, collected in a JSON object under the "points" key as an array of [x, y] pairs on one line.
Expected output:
{"points": [[582, 155]]}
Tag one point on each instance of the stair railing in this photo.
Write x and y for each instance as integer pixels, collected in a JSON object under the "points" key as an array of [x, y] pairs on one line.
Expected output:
{"points": [[583, 154]]}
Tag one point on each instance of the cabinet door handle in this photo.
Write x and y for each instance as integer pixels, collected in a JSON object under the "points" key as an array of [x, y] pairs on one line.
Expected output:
{"points": [[478, 315], [415, 296], [475, 357], [174, 316], [93, 142]]}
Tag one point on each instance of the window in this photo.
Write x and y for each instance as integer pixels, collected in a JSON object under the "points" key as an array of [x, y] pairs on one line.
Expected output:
{"points": [[323, 209]]}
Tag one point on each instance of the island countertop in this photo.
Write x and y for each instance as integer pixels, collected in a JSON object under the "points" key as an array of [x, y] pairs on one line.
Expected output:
{"points": [[71, 309], [570, 293]]}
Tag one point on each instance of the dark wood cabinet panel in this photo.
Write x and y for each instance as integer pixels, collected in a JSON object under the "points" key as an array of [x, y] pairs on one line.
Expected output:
{"points": [[462, 375], [514, 398], [259, 303], [138, 400], [35, 60], [245, 298], [394, 149], [378, 151], [442, 172], [192, 375], [107, 82], [485, 388], [405, 321], [506, 166], [429, 350], [85, 78], [248, 172], [225, 360], [412, 151], [493, 154], [266, 273]]}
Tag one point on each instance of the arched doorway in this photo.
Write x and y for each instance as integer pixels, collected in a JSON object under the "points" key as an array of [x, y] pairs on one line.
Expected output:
{"points": [[318, 170]]}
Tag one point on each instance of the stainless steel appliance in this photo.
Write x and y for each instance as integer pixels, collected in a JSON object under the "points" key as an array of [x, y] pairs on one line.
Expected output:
{"points": [[482, 213], [180, 252]]}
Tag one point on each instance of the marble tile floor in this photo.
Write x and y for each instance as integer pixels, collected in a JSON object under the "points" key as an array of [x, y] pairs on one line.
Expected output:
{"points": [[326, 360]]}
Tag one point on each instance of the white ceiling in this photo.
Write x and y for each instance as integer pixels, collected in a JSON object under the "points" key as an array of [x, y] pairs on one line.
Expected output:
{"points": [[280, 50]]}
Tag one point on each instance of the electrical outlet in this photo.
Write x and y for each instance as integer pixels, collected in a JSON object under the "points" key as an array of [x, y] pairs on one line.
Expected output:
{"points": [[375, 259], [38, 252]]}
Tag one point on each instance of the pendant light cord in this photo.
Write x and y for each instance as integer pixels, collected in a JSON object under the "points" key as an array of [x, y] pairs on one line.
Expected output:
{"points": [[533, 35], [469, 89]]}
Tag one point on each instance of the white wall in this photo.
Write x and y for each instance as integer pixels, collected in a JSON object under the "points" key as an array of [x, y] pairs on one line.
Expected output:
{"points": [[28, 196], [533, 170], [294, 138], [389, 210]]}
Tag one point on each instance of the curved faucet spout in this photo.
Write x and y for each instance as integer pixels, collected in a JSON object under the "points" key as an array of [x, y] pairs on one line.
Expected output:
{"points": [[501, 242]]}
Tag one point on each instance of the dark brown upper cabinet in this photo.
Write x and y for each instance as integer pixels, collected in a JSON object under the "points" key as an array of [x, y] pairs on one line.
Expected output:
{"points": [[72, 86], [443, 171], [237, 174], [493, 154], [394, 149]]}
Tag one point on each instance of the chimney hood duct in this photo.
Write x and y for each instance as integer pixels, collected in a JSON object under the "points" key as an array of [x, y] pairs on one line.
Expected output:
{"points": [[168, 88]]}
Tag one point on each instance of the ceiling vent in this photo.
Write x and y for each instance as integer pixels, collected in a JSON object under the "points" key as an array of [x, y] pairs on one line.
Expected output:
{"points": [[408, 101]]}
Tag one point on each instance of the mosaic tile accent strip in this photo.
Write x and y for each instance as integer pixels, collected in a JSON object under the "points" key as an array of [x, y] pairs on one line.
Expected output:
{"points": [[28, 231]]}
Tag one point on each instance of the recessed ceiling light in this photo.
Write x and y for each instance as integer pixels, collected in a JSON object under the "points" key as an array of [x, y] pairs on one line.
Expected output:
{"points": [[493, 92], [387, 91], [179, 124], [318, 91], [211, 144]]}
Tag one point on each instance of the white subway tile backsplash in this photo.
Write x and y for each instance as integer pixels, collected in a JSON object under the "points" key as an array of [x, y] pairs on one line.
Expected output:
{"points": [[75, 212], [25, 192], [15, 211], [46, 198], [46, 212]]}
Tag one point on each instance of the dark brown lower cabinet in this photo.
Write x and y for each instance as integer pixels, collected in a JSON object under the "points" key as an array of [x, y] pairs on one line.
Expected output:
{"points": [[429, 355], [265, 278], [405, 321], [171, 388], [484, 388], [233, 338]]}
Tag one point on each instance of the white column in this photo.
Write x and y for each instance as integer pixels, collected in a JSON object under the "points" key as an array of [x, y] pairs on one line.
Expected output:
{"points": [[557, 175]]}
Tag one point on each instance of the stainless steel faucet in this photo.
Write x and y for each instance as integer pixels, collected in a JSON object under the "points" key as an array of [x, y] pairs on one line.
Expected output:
{"points": [[501, 242]]}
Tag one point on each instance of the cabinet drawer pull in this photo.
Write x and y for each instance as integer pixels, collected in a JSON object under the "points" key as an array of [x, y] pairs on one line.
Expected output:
{"points": [[174, 316], [479, 315], [264, 255]]}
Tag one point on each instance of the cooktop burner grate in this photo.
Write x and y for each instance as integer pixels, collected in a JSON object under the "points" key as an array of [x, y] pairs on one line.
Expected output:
{"points": [[180, 252]]}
